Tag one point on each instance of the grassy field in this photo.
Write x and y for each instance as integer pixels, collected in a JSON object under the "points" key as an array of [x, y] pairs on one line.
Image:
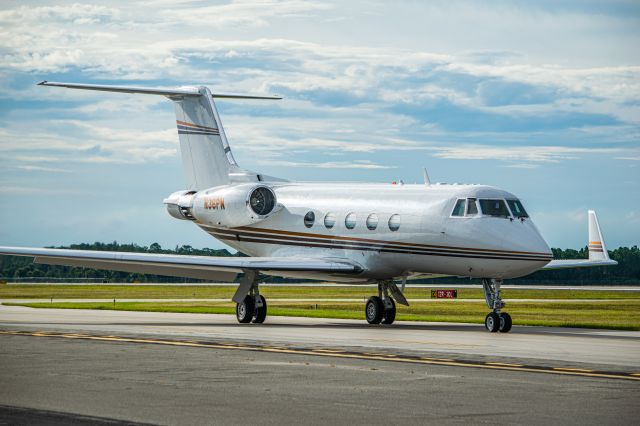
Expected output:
{"points": [[131, 291], [613, 309]]}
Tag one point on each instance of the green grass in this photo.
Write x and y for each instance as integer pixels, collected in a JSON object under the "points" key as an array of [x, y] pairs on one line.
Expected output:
{"points": [[131, 291], [618, 314], [620, 311]]}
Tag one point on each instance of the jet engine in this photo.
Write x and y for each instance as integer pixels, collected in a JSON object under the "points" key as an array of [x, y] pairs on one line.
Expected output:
{"points": [[229, 206]]}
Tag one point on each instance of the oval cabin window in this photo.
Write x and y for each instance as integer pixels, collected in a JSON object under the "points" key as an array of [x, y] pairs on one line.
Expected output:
{"points": [[330, 220], [350, 221], [372, 221], [309, 218], [394, 222]]}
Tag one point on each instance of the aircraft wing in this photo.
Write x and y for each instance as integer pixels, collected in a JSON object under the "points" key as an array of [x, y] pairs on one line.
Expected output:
{"points": [[598, 254], [577, 263], [200, 267]]}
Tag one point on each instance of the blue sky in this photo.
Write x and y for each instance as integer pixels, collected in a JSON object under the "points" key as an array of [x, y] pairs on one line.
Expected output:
{"points": [[539, 98]]}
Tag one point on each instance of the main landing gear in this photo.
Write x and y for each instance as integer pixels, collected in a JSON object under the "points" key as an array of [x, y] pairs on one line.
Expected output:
{"points": [[382, 308], [252, 309], [496, 320], [251, 306]]}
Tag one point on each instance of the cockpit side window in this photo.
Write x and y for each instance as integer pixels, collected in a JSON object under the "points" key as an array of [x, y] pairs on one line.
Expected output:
{"points": [[517, 209], [495, 208], [458, 210], [472, 207]]}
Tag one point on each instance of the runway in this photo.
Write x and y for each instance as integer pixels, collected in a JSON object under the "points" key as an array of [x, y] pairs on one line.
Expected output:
{"points": [[124, 365], [607, 350]]}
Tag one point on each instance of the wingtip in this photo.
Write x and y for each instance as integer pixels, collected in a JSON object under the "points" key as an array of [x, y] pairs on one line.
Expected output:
{"points": [[42, 83]]}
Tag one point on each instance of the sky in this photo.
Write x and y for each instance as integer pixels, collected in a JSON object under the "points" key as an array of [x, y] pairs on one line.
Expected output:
{"points": [[539, 98]]}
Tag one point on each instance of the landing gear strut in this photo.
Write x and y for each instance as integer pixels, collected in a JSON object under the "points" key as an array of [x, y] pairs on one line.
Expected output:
{"points": [[251, 306], [495, 320], [382, 308]]}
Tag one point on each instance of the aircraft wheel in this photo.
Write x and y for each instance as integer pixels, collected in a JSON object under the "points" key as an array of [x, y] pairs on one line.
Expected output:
{"points": [[374, 310], [245, 309], [390, 314], [505, 322], [492, 322], [261, 312]]}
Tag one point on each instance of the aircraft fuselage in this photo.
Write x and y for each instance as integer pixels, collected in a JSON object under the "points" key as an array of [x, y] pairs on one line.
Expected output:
{"points": [[352, 220]]}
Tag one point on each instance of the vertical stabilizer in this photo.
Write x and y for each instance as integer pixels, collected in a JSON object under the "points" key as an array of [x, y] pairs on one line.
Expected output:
{"points": [[597, 248], [206, 155]]}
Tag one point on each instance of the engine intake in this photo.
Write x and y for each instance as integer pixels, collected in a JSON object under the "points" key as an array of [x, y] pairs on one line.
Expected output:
{"points": [[262, 200]]}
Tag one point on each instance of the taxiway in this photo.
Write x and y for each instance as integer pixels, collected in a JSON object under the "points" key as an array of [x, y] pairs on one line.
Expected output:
{"points": [[172, 368]]}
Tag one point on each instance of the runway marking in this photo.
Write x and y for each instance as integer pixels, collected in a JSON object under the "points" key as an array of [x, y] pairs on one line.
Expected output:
{"points": [[504, 364], [338, 353], [573, 369]]}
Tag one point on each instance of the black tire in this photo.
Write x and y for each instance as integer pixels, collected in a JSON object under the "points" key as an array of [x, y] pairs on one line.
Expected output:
{"points": [[261, 313], [245, 310], [492, 322], [505, 322], [374, 310], [390, 314]]}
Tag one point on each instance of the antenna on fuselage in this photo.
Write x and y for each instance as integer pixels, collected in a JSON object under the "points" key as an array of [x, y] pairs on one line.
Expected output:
{"points": [[427, 181]]}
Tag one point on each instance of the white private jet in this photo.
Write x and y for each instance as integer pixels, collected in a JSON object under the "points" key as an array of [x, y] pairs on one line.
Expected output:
{"points": [[342, 232]]}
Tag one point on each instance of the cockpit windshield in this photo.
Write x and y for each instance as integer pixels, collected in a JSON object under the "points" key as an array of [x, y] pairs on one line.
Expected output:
{"points": [[494, 208], [517, 209]]}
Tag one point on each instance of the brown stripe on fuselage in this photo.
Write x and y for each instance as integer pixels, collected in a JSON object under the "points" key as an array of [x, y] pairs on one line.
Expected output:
{"points": [[350, 245], [367, 240]]}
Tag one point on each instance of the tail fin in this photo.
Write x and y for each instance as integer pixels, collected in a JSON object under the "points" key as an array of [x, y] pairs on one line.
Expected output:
{"points": [[597, 248], [206, 155]]}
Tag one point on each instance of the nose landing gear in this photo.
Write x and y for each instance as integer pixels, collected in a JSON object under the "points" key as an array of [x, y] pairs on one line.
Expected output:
{"points": [[496, 320]]}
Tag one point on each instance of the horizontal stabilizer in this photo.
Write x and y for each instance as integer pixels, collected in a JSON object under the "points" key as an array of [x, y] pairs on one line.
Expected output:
{"points": [[176, 91]]}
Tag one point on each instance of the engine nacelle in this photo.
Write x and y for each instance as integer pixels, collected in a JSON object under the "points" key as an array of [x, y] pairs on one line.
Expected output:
{"points": [[180, 204], [237, 205]]}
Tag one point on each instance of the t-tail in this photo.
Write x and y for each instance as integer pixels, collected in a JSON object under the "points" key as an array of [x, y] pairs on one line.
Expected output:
{"points": [[206, 155]]}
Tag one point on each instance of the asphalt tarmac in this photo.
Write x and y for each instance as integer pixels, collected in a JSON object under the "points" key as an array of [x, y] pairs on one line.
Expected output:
{"points": [[89, 367]]}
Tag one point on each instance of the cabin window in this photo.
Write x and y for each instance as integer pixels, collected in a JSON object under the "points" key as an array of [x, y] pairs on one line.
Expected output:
{"points": [[350, 221], [496, 208], [472, 207], [309, 218], [394, 222], [329, 220], [372, 221], [458, 210], [517, 209]]}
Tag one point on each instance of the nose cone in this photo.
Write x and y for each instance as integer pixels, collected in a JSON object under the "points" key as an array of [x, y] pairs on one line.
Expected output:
{"points": [[533, 239], [518, 238]]}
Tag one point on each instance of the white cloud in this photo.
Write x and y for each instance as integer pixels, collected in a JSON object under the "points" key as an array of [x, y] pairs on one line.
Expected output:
{"points": [[534, 154], [252, 13], [357, 164], [30, 168]]}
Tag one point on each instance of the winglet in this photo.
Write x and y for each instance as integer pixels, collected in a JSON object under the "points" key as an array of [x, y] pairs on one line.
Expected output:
{"points": [[597, 248], [598, 254]]}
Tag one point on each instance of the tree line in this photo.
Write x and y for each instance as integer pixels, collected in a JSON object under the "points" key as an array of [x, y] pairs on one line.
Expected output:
{"points": [[14, 268]]}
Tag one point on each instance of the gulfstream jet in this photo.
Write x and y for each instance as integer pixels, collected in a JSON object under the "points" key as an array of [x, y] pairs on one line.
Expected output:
{"points": [[343, 232]]}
